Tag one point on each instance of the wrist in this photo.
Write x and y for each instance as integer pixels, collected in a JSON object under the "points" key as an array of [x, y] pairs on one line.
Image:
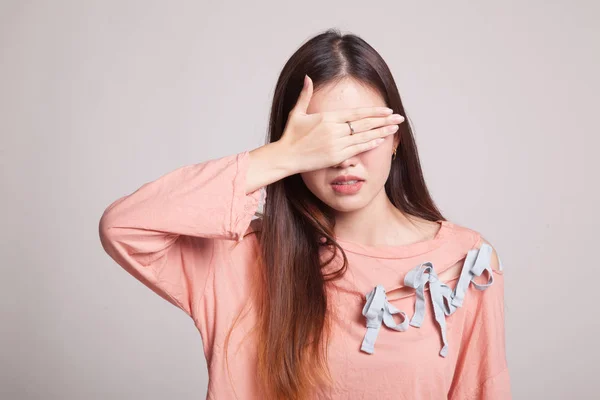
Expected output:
{"points": [[283, 159]]}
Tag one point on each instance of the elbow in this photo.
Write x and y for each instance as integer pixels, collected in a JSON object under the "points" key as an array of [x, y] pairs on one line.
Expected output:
{"points": [[105, 232], [108, 221]]}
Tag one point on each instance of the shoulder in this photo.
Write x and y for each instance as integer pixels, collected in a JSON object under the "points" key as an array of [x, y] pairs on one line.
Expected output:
{"points": [[475, 240], [495, 263]]}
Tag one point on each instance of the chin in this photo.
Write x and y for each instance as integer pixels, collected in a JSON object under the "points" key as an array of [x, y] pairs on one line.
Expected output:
{"points": [[345, 203]]}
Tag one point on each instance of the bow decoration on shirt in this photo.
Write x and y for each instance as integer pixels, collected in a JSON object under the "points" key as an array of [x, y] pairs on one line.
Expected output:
{"points": [[377, 309], [445, 300]]}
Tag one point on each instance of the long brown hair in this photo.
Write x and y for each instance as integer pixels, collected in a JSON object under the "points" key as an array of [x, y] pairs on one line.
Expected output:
{"points": [[291, 289]]}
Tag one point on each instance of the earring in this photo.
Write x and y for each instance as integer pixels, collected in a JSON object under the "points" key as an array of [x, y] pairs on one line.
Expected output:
{"points": [[394, 156]]}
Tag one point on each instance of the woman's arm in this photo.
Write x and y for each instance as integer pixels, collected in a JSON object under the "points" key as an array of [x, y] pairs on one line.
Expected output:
{"points": [[482, 371], [163, 233]]}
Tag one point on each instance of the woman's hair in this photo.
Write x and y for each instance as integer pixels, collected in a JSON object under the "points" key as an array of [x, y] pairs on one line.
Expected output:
{"points": [[291, 288]]}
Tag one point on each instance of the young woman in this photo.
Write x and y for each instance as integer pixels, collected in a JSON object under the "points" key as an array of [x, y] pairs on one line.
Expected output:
{"points": [[310, 298]]}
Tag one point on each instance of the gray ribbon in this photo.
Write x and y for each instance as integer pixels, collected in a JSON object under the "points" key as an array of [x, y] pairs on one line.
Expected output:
{"points": [[378, 309], [445, 300]]}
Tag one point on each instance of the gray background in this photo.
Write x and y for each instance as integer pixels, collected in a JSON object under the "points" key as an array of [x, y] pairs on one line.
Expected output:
{"points": [[99, 97]]}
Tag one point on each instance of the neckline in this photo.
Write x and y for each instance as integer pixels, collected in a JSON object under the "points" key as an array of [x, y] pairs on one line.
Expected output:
{"points": [[400, 251]]}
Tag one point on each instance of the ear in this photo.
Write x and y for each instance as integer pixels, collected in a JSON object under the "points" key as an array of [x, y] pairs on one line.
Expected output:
{"points": [[396, 141]]}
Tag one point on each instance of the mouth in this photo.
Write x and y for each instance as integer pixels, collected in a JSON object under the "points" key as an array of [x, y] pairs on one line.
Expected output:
{"points": [[347, 180], [347, 184]]}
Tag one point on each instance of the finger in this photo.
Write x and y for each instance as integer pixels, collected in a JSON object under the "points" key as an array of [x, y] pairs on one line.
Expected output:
{"points": [[354, 114], [305, 96], [366, 124], [358, 148], [367, 136]]}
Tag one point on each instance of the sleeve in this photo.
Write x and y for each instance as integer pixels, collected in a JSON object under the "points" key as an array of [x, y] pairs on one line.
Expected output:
{"points": [[482, 369], [163, 234]]}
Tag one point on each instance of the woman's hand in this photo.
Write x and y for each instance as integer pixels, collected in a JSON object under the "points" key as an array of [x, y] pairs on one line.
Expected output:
{"points": [[320, 140]]}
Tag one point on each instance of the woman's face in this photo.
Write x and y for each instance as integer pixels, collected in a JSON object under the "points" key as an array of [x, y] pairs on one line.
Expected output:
{"points": [[373, 166]]}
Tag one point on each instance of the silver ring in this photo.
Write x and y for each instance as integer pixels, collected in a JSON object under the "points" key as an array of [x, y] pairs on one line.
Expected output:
{"points": [[351, 128]]}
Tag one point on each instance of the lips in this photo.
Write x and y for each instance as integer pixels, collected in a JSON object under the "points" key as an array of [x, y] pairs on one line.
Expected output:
{"points": [[347, 185], [346, 178]]}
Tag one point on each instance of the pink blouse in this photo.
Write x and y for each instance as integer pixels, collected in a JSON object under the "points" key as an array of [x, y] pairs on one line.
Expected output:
{"points": [[181, 235]]}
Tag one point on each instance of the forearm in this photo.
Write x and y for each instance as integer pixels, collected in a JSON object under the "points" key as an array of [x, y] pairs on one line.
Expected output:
{"points": [[268, 164]]}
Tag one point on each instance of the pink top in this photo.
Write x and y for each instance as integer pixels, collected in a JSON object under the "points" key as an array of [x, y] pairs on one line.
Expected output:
{"points": [[177, 234]]}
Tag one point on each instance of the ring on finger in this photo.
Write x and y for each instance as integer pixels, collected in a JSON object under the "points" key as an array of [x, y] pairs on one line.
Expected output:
{"points": [[351, 128]]}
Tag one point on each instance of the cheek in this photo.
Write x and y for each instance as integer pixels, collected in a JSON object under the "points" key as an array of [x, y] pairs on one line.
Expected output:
{"points": [[379, 157], [313, 180], [387, 146], [378, 162]]}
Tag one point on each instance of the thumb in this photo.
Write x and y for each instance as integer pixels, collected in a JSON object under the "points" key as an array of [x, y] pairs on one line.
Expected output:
{"points": [[305, 96]]}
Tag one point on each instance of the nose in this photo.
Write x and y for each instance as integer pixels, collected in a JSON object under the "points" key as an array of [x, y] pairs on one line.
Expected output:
{"points": [[350, 162]]}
